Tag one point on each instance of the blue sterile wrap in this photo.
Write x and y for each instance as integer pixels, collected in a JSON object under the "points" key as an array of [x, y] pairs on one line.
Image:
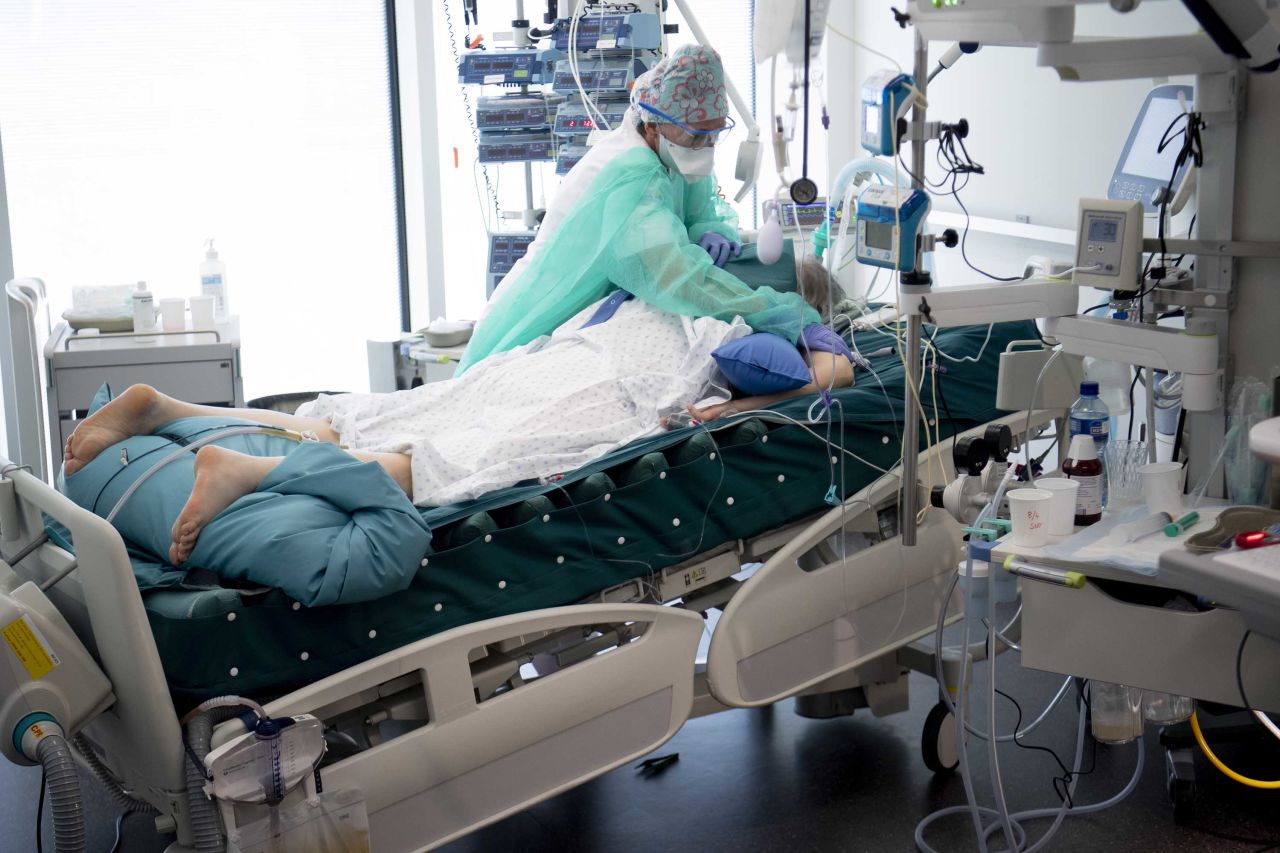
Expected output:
{"points": [[323, 527]]}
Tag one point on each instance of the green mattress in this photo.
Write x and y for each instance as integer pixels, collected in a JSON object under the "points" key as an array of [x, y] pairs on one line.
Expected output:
{"points": [[650, 505]]}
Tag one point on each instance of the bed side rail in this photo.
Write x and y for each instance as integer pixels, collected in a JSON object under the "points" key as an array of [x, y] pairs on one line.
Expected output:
{"points": [[810, 614], [474, 757], [99, 598]]}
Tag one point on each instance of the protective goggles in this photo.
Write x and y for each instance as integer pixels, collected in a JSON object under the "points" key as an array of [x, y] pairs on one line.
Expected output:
{"points": [[690, 137]]}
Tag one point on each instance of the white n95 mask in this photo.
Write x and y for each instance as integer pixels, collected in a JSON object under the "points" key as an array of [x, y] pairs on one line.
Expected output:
{"points": [[689, 163]]}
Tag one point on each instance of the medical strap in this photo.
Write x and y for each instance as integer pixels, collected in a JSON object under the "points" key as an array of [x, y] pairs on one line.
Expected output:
{"points": [[608, 308]]}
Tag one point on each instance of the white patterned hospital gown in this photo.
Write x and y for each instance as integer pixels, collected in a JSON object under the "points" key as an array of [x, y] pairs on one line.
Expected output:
{"points": [[545, 408]]}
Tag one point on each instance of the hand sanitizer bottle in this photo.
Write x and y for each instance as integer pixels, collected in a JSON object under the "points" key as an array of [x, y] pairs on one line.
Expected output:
{"points": [[213, 282]]}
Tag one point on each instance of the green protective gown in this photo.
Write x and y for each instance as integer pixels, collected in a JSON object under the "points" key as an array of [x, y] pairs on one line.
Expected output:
{"points": [[635, 228]]}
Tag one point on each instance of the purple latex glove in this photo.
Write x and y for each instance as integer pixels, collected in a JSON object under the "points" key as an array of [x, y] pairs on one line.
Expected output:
{"points": [[818, 338], [720, 248]]}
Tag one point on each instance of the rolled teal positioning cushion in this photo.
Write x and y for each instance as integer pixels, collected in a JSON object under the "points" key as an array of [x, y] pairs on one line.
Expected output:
{"points": [[322, 526]]}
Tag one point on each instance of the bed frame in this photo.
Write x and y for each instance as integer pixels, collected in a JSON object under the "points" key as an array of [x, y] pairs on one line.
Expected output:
{"points": [[464, 728]]}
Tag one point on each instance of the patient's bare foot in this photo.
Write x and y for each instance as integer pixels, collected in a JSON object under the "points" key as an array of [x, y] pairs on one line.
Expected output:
{"points": [[137, 411], [222, 477]]}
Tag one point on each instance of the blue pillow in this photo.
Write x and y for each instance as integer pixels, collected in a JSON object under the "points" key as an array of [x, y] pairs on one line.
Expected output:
{"points": [[762, 364], [819, 338]]}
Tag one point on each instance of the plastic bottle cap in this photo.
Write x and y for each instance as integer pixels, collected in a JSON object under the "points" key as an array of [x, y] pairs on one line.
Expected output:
{"points": [[1088, 389], [1082, 448]]}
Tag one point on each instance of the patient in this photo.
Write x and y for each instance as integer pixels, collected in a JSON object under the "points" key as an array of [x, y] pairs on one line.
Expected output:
{"points": [[610, 375]]}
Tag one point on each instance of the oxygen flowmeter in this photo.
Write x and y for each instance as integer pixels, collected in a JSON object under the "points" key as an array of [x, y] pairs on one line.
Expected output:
{"points": [[888, 226]]}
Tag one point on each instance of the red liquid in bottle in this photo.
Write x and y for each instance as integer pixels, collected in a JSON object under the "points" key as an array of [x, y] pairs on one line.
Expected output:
{"points": [[1083, 465]]}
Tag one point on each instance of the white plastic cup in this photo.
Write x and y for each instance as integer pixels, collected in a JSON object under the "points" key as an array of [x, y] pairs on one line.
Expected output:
{"points": [[1162, 487], [173, 314], [1029, 511], [1062, 509], [202, 312]]}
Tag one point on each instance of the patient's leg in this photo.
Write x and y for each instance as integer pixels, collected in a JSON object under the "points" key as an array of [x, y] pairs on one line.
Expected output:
{"points": [[224, 476], [141, 408]]}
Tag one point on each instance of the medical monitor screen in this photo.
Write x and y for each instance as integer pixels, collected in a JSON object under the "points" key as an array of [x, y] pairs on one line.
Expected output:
{"points": [[1103, 230], [1144, 160], [879, 235]]}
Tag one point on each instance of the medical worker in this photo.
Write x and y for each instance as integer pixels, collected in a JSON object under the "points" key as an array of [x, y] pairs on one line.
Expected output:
{"points": [[641, 212]]}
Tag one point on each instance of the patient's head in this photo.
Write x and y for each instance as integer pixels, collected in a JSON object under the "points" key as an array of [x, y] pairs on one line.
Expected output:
{"points": [[817, 286]]}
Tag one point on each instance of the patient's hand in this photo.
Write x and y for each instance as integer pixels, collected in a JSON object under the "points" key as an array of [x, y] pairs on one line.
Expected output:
{"points": [[828, 371]]}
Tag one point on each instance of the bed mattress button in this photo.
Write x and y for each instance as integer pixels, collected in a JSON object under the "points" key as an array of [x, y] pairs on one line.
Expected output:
{"points": [[235, 670], [662, 475], [424, 562], [884, 439], [373, 634], [502, 584], [297, 605], [782, 478], [607, 496], [305, 656], [546, 518], [764, 439], [675, 522], [729, 501], [231, 617], [439, 607], [560, 560], [488, 537], [622, 540], [713, 456]]}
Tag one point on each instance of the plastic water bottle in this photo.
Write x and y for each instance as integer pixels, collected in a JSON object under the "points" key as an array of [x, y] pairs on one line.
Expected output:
{"points": [[1090, 416]]}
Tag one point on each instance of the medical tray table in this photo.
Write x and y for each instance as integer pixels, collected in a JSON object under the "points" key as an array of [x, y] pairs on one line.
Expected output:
{"points": [[198, 367], [1116, 628], [410, 362]]}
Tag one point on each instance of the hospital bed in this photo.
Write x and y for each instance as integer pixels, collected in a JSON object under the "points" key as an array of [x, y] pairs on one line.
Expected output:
{"points": [[532, 653]]}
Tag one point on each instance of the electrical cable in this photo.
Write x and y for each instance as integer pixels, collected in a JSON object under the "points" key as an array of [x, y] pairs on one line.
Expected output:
{"points": [[466, 104], [44, 782], [1270, 785], [115, 848]]}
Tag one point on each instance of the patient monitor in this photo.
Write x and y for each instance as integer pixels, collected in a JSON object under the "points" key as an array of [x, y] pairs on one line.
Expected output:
{"points": [[1143, 168]]}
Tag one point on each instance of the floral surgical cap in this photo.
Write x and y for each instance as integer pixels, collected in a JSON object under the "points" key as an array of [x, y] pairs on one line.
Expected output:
{"points": [[687, 85]]}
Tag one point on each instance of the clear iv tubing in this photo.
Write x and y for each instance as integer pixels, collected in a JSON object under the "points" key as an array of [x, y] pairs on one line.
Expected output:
{"points": [[1008, 822], [193, 446]]}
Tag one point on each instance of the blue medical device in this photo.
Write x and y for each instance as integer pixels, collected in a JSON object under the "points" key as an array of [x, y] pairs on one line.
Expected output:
{"points": [[567, 156], [886, 97], [573, 119], [600, 76], [635, 31], [505, 248], [888, 226], [505, 146], [508, 67], [517, 112]]}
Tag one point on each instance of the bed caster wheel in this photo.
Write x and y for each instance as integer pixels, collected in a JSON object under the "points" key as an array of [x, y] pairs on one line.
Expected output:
{"points": [[938, 741]]}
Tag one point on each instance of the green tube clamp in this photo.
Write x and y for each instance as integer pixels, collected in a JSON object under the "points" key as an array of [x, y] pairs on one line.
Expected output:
{"points": [[1000, 525], [985, 533]]}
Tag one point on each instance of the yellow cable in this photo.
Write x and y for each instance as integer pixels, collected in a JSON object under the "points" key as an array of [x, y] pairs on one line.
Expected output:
{"points": [[1217, 762]]}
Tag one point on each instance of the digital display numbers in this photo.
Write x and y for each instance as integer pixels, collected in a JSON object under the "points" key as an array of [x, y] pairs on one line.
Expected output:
{"points": [[1103, 230], [580, 122]]}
